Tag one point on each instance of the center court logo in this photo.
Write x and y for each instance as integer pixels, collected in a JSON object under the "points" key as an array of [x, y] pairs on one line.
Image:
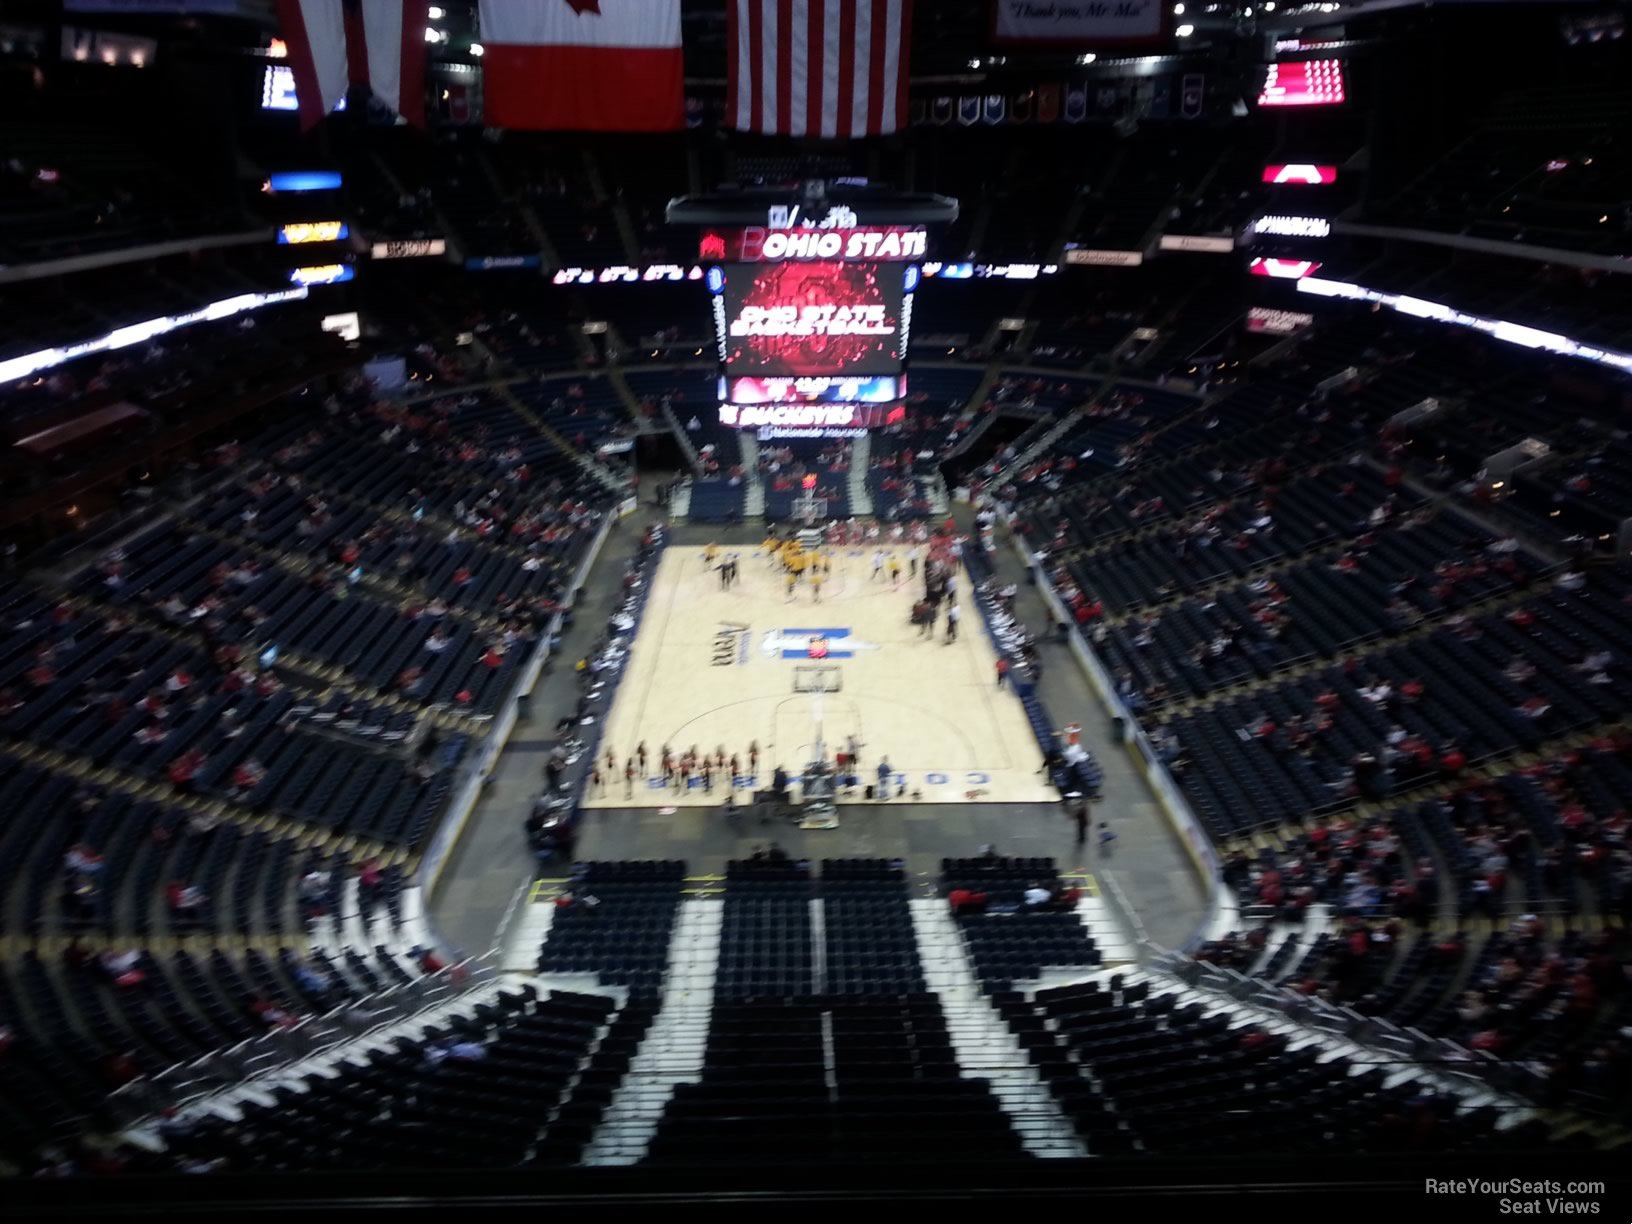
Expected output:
{"points": [[813, 644]]}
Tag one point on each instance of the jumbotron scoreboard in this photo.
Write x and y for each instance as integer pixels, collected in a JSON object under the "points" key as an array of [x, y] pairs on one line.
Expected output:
{"points": [[812, 308]]}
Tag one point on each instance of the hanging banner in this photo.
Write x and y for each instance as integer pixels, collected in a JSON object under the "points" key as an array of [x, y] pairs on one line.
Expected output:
{"points": [[1076, 103], [996, 109], [1124, 23], [969, 111], [1191, 96], [1048, 103]]}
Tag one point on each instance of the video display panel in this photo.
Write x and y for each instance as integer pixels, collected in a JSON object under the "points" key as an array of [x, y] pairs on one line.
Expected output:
{"points": [[793, 320], [867, 389]]}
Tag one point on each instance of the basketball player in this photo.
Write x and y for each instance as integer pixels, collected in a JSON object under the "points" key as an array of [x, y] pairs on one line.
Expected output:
{"points": [[710, 551], [912, 562], [791, 580], [816, 580], [895, 570], [640, 755], [668, 766], [597, 780], [878, 563], [952, 615], [753, 757], [629, 778]]}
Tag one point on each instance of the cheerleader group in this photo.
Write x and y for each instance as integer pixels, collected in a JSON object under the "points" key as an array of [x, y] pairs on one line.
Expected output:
{"points": [[678, 770]]}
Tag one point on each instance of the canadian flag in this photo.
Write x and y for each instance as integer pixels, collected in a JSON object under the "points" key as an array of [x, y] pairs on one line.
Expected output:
{"points": [[337, 43], [583, 65]]}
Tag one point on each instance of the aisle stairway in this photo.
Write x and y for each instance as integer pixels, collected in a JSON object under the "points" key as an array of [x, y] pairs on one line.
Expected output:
{"points": [[983, 1043], [753, 505], [861, 458], [672, 1052]]}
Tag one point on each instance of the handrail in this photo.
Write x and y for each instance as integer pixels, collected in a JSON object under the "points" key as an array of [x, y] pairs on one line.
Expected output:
{"points": [[1375, 1034], [1187, 828], [186, 1083], [476, 770]]}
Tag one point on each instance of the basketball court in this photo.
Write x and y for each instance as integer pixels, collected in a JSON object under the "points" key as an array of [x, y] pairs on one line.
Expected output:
{"points": [[716, 669]]}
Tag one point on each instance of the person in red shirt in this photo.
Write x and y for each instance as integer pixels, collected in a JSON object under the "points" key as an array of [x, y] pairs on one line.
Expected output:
{"points": [[1002, 671], [184, 769], [1452, 761]]}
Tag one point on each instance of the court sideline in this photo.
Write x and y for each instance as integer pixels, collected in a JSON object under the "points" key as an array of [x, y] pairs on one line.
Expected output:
{"points": [[492, 859]]}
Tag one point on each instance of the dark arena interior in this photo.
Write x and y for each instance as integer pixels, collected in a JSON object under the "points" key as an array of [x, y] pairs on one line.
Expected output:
{"points": [[476, 474]]}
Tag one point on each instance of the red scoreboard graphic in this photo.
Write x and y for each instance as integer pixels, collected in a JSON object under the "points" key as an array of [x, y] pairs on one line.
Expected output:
{"points": [[798, 319], [1303, 83]]}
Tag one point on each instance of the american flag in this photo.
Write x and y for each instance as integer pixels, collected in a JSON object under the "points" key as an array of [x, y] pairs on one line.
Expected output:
{"points": [[832, 69]]}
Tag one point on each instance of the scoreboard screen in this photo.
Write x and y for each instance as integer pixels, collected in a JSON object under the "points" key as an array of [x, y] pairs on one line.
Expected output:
{"points": [[798, 320], [1317, 82]]}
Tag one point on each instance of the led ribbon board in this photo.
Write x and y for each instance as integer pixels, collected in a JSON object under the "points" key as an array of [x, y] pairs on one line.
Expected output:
{"points": [[1307, 174], [762, 244], [312, 231], [1293, 227]]}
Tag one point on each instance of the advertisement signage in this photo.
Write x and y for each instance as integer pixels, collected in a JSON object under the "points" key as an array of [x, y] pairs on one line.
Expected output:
{"points": [[1204, 244], [302, 180], [1293, 227], [810, 417], [312, 231], [1105, 259], [1277, 322], [322, 274], [1300, 173], [488, 263], [409, 248], [1284, 269]]}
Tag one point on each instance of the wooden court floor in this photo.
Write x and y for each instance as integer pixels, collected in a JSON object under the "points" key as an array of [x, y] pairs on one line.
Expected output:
{"points": [[713, 668]]}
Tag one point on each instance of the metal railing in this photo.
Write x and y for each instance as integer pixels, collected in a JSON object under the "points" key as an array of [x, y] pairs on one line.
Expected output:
{"points": [[186, 1083], [1390, 1042]]}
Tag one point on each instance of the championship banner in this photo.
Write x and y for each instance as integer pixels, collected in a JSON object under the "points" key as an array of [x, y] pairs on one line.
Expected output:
{"points": [[1041, 23]]}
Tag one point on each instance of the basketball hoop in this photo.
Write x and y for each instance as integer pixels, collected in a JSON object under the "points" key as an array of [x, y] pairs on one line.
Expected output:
{"points": [[809, 508]]}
